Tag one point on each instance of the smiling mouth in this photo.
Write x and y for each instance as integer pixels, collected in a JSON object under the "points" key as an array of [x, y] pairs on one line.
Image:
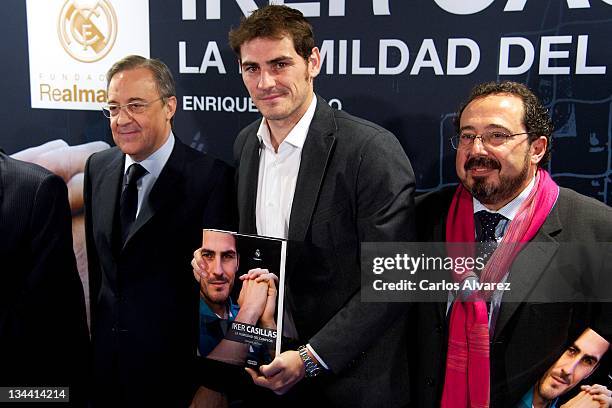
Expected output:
{"points": [[559, 380], [270, 97], [128, 131], [480, 170], [481, 165]]}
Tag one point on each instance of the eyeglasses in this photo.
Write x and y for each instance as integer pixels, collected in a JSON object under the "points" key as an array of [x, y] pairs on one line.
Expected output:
{"points": [[133, 108], [489, 139]]}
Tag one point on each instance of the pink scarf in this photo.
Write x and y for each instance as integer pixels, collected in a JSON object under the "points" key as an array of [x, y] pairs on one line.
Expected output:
{"points": [[467, 380]]}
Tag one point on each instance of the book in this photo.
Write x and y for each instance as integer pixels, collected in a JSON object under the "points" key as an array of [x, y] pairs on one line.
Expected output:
{"points": [[242, 292]]}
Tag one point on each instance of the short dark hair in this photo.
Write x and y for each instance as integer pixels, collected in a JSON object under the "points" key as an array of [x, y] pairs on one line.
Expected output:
{"points": [[536, 119], [275, 21]]}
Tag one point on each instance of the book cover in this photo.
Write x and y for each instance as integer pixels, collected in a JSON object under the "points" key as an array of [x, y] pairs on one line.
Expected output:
{"points": [[241, 297]]}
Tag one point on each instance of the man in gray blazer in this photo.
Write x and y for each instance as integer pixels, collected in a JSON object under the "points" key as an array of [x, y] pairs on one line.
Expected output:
{"points": [[503, 142], [326, 181]]}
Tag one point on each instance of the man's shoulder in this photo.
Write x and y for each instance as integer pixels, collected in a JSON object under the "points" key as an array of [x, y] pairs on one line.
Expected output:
{"points": [[576, 201], [193, 158], [349, 129], [19, 168], [23, 174], [347, 121], [582, 212], [205, 169], [104, 157], [26, 186]]}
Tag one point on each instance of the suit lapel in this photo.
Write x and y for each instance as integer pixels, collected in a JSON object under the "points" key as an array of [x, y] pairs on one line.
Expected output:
{"points": [[315, 157], [108, 198], [166, 189], [528, 267], [247, 184], [2, 173]]}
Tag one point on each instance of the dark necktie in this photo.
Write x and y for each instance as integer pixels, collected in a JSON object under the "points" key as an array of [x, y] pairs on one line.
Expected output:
{"points": [[486, 235], [129, 199]]}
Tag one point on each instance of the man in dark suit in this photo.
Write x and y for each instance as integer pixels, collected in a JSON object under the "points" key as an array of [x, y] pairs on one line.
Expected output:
{"points": [[147, 201], [327, 181], [43, 330], [502, 142]]}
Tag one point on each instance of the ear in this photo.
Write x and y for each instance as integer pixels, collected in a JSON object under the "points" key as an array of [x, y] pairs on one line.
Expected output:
{"points": [[538, 149], [170, 107], [314, 62]]}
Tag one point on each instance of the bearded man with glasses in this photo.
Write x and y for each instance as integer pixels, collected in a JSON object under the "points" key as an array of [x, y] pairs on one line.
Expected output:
{"points": [[146, 202], [482, 349]]}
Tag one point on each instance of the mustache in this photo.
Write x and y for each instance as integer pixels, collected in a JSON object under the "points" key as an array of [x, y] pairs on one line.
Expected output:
{"points": [[217, 281], [561, 376], [481, 161]]}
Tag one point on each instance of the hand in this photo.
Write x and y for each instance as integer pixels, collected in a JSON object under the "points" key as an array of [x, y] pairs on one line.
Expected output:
{"points": [[207, 398], [263, 275], [286, 370], [252, 300], [198, 265], [596, 396], [600, 393]]}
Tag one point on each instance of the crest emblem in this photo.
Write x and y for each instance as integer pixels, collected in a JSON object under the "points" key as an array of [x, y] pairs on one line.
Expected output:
{"points": [[87, 29]]}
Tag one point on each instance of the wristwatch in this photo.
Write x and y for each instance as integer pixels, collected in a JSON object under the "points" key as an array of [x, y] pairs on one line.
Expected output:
{"points": [[311, 367]]}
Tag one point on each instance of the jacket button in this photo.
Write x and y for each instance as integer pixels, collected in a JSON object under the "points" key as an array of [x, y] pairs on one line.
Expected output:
{"points": [[429, 381]]}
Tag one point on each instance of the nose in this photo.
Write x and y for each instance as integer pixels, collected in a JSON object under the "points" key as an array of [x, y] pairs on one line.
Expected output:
{"points": [[477, 147], [568, 369], [266, 80], [123, 116], [217, 269]]}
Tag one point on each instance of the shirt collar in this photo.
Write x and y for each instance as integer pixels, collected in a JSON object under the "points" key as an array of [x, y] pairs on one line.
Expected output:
{"points": [[511, 209], [297, 135], [210, 316], [156, 161]]}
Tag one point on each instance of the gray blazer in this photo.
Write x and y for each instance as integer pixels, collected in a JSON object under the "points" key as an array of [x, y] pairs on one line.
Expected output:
{"points": [[529, 336], [355, 184]]}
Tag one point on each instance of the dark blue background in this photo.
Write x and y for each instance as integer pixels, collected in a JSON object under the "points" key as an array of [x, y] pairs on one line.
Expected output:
{"points": [[417, 108]]}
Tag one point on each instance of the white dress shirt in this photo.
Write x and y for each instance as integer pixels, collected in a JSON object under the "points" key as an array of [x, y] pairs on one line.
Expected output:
{"points": [[278, 172], [153, 165]]}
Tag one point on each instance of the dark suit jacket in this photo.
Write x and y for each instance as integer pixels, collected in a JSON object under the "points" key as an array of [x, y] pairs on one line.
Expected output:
{"points": [[43, 329], [529, 336], [144, 299], [355, 184]]}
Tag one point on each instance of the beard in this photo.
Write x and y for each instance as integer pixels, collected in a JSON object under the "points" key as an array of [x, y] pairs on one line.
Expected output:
{"points": [[549, 393], [214, 297], [488, 192]]}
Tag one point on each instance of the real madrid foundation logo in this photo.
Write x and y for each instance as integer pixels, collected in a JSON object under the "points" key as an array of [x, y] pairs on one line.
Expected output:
{"points": [[87, 29]]}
